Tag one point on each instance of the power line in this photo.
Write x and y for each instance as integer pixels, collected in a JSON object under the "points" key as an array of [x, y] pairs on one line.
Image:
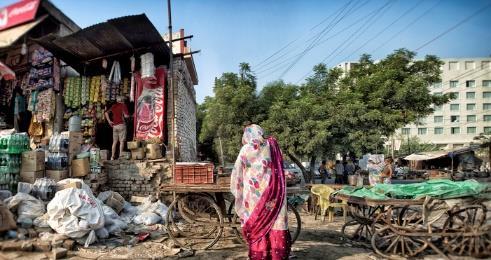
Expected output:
{"points": [[328, 29], [454, 26], [293, 41], [319, 42], [350, 39], [385, 28], [407, 26]]}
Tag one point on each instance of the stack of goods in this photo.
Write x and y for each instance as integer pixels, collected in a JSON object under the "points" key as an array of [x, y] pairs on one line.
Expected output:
{"points": [[41, 75], [57, 158], [6, 89], [137, 152], [75, 140], [11, 148], [32, 166], [43, 105], [97, 177]]}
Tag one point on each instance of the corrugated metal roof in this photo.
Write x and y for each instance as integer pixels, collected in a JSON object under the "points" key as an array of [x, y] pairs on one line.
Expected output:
{"points": [[130, 34]]}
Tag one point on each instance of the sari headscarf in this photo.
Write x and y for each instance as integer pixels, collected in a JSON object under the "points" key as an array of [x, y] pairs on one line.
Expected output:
{"points": [[258, 184]]}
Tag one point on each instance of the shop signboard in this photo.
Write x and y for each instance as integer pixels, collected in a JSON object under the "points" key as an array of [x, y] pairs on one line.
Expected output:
{"points": [[18, 13]]}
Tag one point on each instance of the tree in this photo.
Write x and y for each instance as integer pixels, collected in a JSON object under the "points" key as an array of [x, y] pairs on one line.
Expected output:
{"points": [[225, 113], [414, 145]]}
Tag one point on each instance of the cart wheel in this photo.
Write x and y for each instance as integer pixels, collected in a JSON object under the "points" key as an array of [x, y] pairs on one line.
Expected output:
{"points": [[294, 223], [386, 242], [363, 223], [201, 223], [468, 234]]}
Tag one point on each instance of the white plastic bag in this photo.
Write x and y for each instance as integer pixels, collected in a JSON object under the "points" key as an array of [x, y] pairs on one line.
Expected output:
{"points": [[75, 212], [82, 183], [27, 206], [41, 221], [147, 218]]}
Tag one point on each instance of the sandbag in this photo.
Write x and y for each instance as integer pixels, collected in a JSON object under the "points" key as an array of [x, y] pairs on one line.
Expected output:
{"points": [[75, 212], [27, 206]]}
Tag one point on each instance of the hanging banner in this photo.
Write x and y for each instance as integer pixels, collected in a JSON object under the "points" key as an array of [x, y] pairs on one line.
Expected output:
{"points": [[150, 106], [18, 13]]}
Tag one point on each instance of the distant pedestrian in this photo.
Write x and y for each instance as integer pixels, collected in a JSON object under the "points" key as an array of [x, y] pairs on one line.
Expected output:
{"points": [[323, 172], [350, 167], [388, 171], [339, 170]]}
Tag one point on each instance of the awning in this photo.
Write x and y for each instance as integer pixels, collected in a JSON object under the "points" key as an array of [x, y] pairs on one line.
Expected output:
{"points": [[124, 36], [423, 156], [6, 72], [11, 35]]}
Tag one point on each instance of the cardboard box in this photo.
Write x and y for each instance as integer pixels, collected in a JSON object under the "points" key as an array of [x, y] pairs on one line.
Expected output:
{"points": [[80, 167], [138, 154], [32, 161], [75, 184], [30, 177], [73, 137], [115, 201], [57, 175]]}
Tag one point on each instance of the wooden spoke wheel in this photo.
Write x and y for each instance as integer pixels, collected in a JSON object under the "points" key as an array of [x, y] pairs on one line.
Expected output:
{"points": [[362, 225], [294, 222], [200, 223], [388, 242], [467, 233], [395, 238]]}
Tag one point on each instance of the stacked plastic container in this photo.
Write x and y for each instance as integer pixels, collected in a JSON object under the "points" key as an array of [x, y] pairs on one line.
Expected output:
{"points": [[57, 156], [11, 148]]}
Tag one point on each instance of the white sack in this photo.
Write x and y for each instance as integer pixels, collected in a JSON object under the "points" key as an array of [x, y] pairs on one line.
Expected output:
{"points": [[75, 212], [27, 206], [147, 218]]}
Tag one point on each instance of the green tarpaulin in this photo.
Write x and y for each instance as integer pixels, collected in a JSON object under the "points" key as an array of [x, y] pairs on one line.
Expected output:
{"points": [[441, 189]]}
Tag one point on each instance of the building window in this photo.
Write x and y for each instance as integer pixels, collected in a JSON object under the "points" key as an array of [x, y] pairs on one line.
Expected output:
{"points": [[470, 95], [486, 83], [437, 85], [454, 95], [438, 130], [455, 130], [438, 119], [454, 83], [469, 65], [454, 107], [454, 119], [487, 118], [471, 130], [437, 108], [485, 64], [470, 107], [453, 65], [486, 106], [421, 131], [486, 94], [406, 131], [470, 84], [471, 118], [487, 130]]}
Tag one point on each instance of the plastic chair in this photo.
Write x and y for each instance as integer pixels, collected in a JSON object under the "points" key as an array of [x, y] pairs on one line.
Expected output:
{"points": [[324, 206]]}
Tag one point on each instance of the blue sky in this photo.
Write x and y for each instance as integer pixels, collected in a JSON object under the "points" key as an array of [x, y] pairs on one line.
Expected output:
{"points": [[230, 31]]}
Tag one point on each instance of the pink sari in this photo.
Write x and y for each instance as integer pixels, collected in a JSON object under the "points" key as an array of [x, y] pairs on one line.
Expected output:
{"points": [[258, 184]]}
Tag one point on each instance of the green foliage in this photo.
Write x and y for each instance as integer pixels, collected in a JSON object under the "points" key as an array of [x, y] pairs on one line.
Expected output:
{"points": [[414, 145]]}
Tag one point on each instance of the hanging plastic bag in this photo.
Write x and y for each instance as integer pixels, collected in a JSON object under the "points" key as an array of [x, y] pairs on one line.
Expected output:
{"points": [[115, 74], [147, 66], [75, 212]]}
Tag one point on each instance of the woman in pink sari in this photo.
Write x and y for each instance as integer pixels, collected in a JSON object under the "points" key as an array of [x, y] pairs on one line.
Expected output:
{"points": [[258, 184]]}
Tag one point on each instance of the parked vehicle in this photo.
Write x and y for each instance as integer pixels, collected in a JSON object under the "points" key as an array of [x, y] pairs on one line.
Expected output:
{"points": [[295, 170]]}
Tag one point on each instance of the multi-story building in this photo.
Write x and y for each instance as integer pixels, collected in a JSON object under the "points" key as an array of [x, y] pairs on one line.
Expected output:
{"points": [[456, 123]]}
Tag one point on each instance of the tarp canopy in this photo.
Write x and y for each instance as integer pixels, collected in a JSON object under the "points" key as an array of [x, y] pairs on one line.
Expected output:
{"points": [[124, 36], [9, 36], [423, 156]]}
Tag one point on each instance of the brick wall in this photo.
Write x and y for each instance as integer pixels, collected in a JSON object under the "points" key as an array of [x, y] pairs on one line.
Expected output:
{"points": [[136, 178], [185, 113]]}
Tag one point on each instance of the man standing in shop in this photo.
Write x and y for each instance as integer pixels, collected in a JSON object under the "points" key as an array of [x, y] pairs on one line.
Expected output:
{"points": [[119, 113]]}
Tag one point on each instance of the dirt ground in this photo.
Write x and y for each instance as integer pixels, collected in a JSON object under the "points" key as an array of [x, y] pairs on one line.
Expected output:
{"points": [[317, 240]]}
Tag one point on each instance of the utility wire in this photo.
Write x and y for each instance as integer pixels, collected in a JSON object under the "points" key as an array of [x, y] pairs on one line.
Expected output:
{"points": [[466, 19], [407, 26]]}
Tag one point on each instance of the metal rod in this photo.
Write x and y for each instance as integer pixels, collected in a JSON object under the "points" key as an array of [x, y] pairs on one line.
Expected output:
{"points": [[185, 54], [171, 84], [181, 38]]}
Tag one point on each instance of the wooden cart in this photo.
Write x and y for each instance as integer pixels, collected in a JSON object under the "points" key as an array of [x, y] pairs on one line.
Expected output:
{"points": [[397, 227], [199, 213]]}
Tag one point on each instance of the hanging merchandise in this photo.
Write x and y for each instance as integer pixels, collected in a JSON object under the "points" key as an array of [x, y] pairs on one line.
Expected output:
{"points": [[125, 89], [115, 74], [132, 80], [84, 92], [147, 66], [95, 89], [45, 105], [104, 63], [104, 89]]}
